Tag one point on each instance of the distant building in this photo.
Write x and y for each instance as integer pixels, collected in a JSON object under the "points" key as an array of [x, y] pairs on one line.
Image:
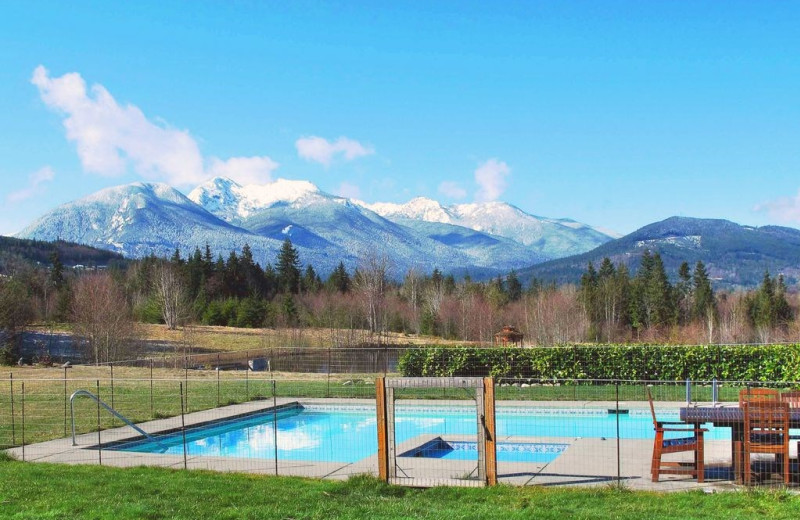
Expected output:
{"points": [[508, 336]]}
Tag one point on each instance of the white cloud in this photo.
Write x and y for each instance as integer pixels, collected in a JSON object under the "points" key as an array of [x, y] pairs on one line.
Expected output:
{"points": [[347, 190], [491, 178], [244, 170], [36, 182], [452, 189], [319, 149], [785, 209], [111, 138]]}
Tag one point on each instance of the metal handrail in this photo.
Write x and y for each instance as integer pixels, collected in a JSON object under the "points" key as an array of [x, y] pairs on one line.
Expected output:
{"points": [[115, 413]]}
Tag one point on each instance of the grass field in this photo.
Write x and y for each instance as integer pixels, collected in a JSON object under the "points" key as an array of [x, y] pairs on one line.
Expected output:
{"points": [[36, 491], [206, 338]]}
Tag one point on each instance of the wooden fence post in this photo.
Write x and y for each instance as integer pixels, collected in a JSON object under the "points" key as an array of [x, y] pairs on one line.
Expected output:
{"points": [[383, 443], [490, 449]]}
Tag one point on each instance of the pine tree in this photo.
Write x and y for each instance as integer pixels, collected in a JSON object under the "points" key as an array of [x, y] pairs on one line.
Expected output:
{"points": [[339, 280], [684, 294], [288, 268], [514, 286], [704, 302], [310, 282], [588, 294], [56, 271]]}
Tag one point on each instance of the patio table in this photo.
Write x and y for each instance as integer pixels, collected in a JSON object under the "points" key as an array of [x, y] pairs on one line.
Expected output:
{"points": [[727, 416]]}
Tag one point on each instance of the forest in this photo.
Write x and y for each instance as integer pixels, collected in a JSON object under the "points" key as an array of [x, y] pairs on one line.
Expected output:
{"points": [[610, 305]]}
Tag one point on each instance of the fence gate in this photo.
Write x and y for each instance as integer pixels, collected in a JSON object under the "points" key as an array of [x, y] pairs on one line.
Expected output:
{"points": [[439, 447]]}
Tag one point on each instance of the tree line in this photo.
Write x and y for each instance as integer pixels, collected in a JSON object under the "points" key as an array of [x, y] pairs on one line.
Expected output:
{"points": [[616, 301], [611, 303]]}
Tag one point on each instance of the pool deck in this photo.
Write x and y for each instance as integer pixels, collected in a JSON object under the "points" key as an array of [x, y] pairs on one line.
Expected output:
{"points": [[585, 462]]}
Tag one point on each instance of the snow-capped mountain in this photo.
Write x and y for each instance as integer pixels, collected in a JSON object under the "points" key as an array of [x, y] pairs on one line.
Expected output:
{"points": [[140, 219], [235, 203], [550, 238], [318, 220]]}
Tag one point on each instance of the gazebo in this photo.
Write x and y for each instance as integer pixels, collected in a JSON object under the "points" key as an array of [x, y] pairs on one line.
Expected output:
{"points": [[508, 336]]}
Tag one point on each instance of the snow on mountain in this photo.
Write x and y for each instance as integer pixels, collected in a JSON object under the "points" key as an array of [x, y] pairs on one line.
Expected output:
{"points": [[140, 219], [323, 222], [550, 238], [233, 202], [420, 208]]}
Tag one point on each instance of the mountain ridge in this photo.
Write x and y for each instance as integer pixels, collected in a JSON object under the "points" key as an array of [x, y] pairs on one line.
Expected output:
{"points": [[736, 256], [143, 218]]}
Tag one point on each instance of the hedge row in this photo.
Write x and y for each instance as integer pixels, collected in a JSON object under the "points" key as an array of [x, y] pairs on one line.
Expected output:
{"points": [[780, 363]]}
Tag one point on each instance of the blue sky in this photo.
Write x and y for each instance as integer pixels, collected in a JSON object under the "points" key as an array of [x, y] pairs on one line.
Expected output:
{"points": [[616, 114]]}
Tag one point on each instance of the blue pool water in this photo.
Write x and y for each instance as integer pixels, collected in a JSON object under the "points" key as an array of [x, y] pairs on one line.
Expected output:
{"points": [[349, 433]]}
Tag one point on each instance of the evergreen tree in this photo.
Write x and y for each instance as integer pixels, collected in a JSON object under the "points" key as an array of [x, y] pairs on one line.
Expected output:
{"points": [[339, 280], [768, 308], [657, 294], [514, 286], [783, 311], [288, 268], [588, 295], [683, 293], [56, 271], [289, 309], [270, 282], [311, 282], [704, 301], [176, 258]]}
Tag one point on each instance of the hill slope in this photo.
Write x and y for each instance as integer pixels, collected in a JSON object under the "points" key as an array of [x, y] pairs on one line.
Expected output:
{"points": [[735, 255], [15, 251]]}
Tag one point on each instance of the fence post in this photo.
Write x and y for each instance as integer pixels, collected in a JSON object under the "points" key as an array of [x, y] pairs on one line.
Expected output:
{"points": [[99, 442], [183, 428], [328, 385], [275, 424], [247, 382], [218, 380], [23, 421], [688, 392], [714, 392], [65, 401], [152, 411], [113, 421], [619, 452], [13, 422]]}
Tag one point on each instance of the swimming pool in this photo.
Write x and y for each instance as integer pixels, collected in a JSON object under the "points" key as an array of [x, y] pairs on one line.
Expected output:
{"points": [[342, 433]]}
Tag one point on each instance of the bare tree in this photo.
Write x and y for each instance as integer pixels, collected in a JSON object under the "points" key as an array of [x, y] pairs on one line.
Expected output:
{"points": [[411, 289], [171, 295], [371, 282], [102, 317]]}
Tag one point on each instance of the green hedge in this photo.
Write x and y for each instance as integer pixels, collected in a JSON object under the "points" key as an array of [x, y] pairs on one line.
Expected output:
{"points": [[779, 363]]}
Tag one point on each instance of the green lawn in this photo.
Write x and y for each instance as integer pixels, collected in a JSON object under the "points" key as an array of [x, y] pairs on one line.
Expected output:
{"points": [[36, 491]]}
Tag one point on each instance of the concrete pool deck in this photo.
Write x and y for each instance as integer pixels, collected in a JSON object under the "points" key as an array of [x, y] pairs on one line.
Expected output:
{"points": [[585, 462]]}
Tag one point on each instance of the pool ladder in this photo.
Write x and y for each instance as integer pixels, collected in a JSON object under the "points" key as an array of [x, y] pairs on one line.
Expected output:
{"points": [[113, 412]]}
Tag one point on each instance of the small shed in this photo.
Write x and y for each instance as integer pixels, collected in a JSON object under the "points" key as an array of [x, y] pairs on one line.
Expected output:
{"points": [[508, 336]]}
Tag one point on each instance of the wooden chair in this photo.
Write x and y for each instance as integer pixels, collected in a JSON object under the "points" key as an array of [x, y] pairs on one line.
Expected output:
{"points": [[793, 398], [663, 446], [766, 430], [757, 394]]}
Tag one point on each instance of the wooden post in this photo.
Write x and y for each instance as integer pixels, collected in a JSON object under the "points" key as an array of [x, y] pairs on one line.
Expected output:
{"points": [[383, 444], [490, 451]]}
